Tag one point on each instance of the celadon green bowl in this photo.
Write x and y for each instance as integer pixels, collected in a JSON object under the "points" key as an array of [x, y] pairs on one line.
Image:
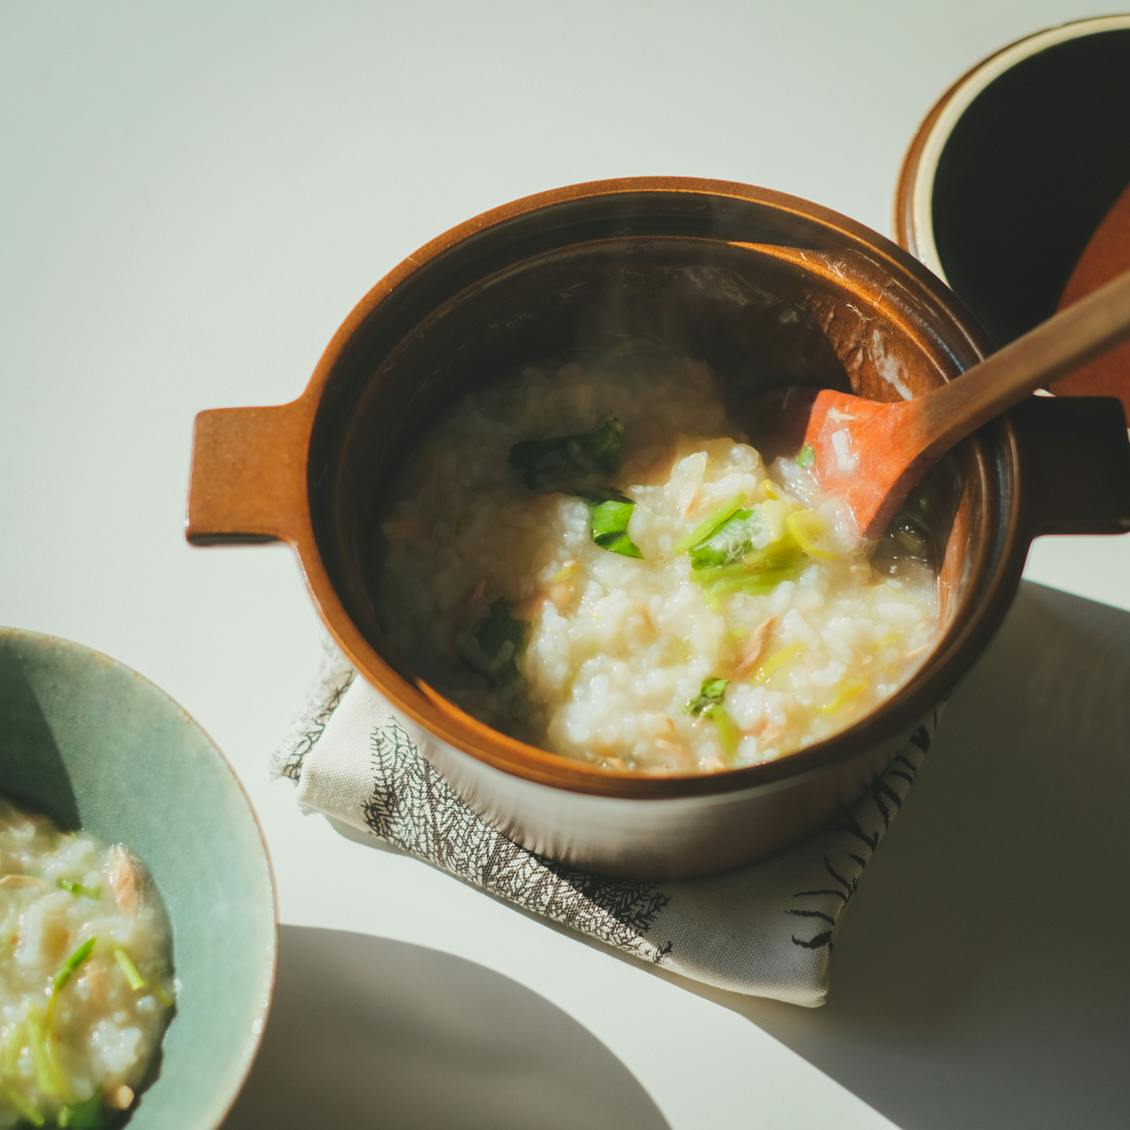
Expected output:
{"points": [[95, 746]]}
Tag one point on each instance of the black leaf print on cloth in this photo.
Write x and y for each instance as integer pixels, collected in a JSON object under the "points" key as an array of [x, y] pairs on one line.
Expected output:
{"points": [[414, 808], [312, 727], [853, 836]]}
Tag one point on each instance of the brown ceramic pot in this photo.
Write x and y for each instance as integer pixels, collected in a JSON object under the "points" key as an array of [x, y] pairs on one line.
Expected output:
{"points": [[1015, 166], [765, 288]]}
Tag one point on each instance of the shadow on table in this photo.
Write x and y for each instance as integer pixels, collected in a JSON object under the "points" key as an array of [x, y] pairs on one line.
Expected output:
{"points": [[982, 978], [366, 1031]]}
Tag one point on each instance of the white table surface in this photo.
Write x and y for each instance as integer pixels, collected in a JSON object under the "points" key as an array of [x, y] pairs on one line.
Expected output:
{"points": [[192, 198]]}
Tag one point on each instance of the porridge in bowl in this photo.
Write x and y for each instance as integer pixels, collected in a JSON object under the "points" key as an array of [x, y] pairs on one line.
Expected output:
{"points": [[86, 985], [593, 559]]}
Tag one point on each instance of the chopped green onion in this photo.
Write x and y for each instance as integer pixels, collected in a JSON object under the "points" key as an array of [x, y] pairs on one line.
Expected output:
{"points": [[127, 966], [21, 1105], [88, 1115], [757, 575], [710, 694], [78, 890], [10, 1056], [608, 520], [49, 1078], [710, 525], [729, 543], [162, 995], [68, 968], [847, 691], [779, 658], [805, 456], [492, 648], [570, 463], [708, 704], [728, 733]]}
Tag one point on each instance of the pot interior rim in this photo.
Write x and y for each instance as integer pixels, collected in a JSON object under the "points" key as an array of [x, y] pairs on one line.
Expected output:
{"points": [[897, 717]]}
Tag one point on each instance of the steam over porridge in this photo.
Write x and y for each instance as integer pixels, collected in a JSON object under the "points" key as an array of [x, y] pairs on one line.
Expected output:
{"points": [[592, 559], [85, 976]]}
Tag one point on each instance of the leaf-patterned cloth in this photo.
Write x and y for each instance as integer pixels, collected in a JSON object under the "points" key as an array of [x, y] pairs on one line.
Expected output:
{"points": [[766, 929]]}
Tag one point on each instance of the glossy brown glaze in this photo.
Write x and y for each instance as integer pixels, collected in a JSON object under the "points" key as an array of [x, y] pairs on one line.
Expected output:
{"points": [[1012, 170], [762, 286], [1106, 255]]}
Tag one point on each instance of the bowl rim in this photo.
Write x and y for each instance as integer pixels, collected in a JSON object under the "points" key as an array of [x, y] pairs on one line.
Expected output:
{"points": [[900, 715], [258, 1023], [913, 221]]}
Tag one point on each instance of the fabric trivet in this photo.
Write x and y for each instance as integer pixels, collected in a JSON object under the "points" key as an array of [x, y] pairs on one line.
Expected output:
{"points": [[766, 929]]}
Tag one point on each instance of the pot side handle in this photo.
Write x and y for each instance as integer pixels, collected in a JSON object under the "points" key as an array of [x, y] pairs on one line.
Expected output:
{"points": [[1075, 456], [248, 477]]}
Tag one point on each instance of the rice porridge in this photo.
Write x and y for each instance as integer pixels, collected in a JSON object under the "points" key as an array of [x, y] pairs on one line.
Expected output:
{"points": [[593, 560], [85, 977]]}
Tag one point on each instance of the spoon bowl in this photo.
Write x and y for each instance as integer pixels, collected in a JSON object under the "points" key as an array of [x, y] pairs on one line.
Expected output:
{"points": [[871, 454]]}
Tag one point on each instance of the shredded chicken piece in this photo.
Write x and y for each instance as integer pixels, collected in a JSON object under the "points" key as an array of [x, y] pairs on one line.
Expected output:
{"points": [[561, 594], [679, 754], [122, 877], [93, 981], [753, 648], [21, 881], [691, 504]]}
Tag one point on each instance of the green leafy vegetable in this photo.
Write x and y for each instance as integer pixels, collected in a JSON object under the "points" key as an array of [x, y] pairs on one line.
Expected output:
{"points": [[710, 694], [127, 966], [493, 647], [608, 521], [78, 890], [72, 964], [805, 456], [573, 463]]}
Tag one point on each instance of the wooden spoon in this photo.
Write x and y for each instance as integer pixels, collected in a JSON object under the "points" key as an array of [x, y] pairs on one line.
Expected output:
{"points": [[872, 453]]}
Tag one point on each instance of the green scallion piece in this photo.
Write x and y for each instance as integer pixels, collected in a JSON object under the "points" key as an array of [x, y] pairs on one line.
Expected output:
{"points": [[21, 1105], [72, 964], [805, 456], [78, 890], [729, 543], [127, 966], [608, 522], [710, 525], [710, 694], [728, 733], [708, 704], [10, 1056], [162, 995], [48, 1077]]}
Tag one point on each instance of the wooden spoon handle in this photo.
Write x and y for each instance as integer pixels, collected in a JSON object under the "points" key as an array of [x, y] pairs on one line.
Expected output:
{"points": [[1070, 338]]}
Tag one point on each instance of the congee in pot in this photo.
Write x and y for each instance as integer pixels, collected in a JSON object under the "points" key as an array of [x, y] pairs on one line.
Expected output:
{"points": [[593, 558]]}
